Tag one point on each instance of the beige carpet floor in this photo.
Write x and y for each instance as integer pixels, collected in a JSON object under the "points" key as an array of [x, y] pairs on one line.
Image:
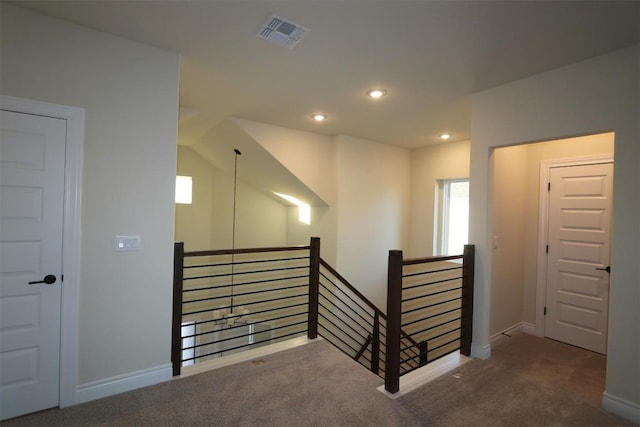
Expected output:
{"points": [[528, 382]]}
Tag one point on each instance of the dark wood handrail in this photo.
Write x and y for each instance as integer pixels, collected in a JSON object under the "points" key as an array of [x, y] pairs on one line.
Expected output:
{"points": [[426, 260], [245, 251]]}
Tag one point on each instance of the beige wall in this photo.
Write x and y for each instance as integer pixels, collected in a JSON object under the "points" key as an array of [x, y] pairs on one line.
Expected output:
{"points": [[373, 205], [589, 97], [208, 222], [508, 201], [311, 158], [429, 164], [130, 95]]}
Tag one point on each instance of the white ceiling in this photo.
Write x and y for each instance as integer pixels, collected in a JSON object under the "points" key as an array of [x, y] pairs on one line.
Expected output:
{"points": [[429, 55]]}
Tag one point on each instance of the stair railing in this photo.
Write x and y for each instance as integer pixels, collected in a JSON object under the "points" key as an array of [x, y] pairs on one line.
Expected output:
{"points": [[431, 300]]}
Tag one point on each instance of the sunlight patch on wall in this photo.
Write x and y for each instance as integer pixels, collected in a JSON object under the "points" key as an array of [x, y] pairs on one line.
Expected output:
{"points": [[304, 210]]}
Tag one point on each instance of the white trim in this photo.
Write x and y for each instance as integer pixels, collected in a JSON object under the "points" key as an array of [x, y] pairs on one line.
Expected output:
{"points": [[529, 328], [480, 351], [543, 216], [243, 356], [71, 233], [621, 407], [121, 383], [426, 374], [505, 334]]}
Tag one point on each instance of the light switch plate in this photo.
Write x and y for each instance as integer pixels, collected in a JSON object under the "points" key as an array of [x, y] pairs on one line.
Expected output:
{"points": [[127, 243]]}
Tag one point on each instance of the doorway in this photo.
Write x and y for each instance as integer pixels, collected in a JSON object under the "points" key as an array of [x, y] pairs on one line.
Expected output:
{"points": [[24, 157], [519, 239]]}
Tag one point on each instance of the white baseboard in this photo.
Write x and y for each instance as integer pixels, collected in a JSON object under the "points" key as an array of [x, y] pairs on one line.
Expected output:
{"points": [[505, 334], [427, 373], [121, 383], [481, 351], [529, 329], [243, 356], [620, 407]]}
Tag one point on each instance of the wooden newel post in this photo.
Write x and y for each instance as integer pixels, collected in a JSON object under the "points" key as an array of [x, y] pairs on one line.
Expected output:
{"points": [[176, 322], [394, 313], [466, 332], [314, 288]]}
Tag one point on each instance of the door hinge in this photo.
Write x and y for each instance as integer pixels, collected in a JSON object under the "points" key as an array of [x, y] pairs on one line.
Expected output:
{"points": [[545, 310], [548, 186], [547, 249]]}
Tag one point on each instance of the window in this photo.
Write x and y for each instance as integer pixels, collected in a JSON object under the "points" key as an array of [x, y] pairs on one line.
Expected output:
{"points": [[451, 225], [183, 189]]}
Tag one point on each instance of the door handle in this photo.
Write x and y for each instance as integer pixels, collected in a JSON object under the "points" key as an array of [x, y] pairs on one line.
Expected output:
{"points": [[49, 279], [607, 268]]}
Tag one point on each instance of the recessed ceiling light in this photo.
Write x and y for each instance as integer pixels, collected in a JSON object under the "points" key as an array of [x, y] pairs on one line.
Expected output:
{"points": [[319, 117], [377, 93], [445, 136]]}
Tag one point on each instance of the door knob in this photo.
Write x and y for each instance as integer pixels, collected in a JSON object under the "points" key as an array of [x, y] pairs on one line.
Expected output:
{"points": [[607, 268], [49, 279]]}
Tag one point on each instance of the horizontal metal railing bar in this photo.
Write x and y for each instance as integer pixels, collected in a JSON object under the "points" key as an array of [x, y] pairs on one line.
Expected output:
{"points": [[434, 326], [345, 294], [245, 345], [446, 344], [254, 302], [435, 282], [422, 273], [427, 260], [253, 282], [410, 365], [213, 341], [431, 294], [437, 336], [271, 319], [211, 310], [369, 323], [422, 319], [239, 273], [408, 347], [342, 330], [410, 358], [343, 312], [262, 291], [444, 333], [255, 261], [238, 336], [245, 251], [430, 305]]}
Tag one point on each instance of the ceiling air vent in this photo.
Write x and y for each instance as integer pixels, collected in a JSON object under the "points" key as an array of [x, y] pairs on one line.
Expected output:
{"points": [[282, 32]]}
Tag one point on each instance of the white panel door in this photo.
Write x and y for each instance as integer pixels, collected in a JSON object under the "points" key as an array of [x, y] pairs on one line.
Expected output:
{"points": [[32, 155], [577, 296]]}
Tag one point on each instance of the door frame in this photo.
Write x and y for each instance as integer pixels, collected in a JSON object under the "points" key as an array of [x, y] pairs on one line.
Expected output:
{"points": [[543, 225], [74, 117]]}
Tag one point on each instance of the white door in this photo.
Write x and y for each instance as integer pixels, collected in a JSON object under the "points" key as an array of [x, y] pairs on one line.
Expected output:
{"points": [[32, 156], [577, 295]]}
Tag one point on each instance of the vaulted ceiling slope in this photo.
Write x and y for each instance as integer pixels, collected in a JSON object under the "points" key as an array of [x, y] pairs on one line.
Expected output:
{"points": [[430, 56]]}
